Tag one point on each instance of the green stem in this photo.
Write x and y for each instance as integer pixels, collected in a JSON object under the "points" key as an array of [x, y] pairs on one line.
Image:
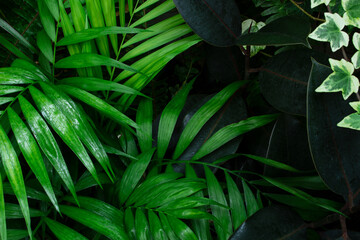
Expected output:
{"points": [[306, 13]]}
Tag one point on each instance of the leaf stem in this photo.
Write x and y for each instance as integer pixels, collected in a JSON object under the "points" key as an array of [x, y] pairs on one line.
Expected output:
{"points": [[306, 13]]}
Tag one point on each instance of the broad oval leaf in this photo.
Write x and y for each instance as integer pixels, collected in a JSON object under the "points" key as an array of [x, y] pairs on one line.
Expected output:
{"points": [[283, 80], [331, 146], [217, 22], [273, 222]]}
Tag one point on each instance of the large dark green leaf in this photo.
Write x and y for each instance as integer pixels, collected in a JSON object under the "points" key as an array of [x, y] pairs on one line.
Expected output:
{"points": [[289, 145], [217, 22], [288, 30], [283, 80], [273, 222], [332, 147]]}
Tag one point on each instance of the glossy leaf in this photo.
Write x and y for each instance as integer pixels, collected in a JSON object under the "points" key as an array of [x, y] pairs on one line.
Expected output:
{"points": [[141, 225], [63, 128], [217, 22], [216, 193], [181, 229], [81, 126], [47, 19], [283, 84], [91, 60], [14, 76], [99, 104], [47, 142], [13, 172], [167, 227], [169, 118], [129, 221], [289, 145], [202, 116], [284, 31], [95, 222], [99, 207], [149, 185], [36, 73], [332, 155], [230, 132], [273, 222], [341, 79], [44, 43], [307, 182], [32, 154], [63, 232], [14, 211], [144, 118], [272, 163], [92, 33], [156, 228], [330, 31], [133, 173]]}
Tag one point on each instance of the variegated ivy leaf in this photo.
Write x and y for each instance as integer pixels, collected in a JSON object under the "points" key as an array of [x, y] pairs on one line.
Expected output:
{"points": [[341, 79], [356, 57], [353, 120], [330, 31], [254, 27], [315, 3], [352, 14]]}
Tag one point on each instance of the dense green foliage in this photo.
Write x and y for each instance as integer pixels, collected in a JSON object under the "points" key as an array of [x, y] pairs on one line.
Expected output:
{"points": [[179, 119]]}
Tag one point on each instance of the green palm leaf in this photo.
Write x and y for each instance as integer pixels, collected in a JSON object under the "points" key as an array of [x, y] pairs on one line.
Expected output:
{"points": [[47, 142], [63, 128], [32, 154], [13, 171]]}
